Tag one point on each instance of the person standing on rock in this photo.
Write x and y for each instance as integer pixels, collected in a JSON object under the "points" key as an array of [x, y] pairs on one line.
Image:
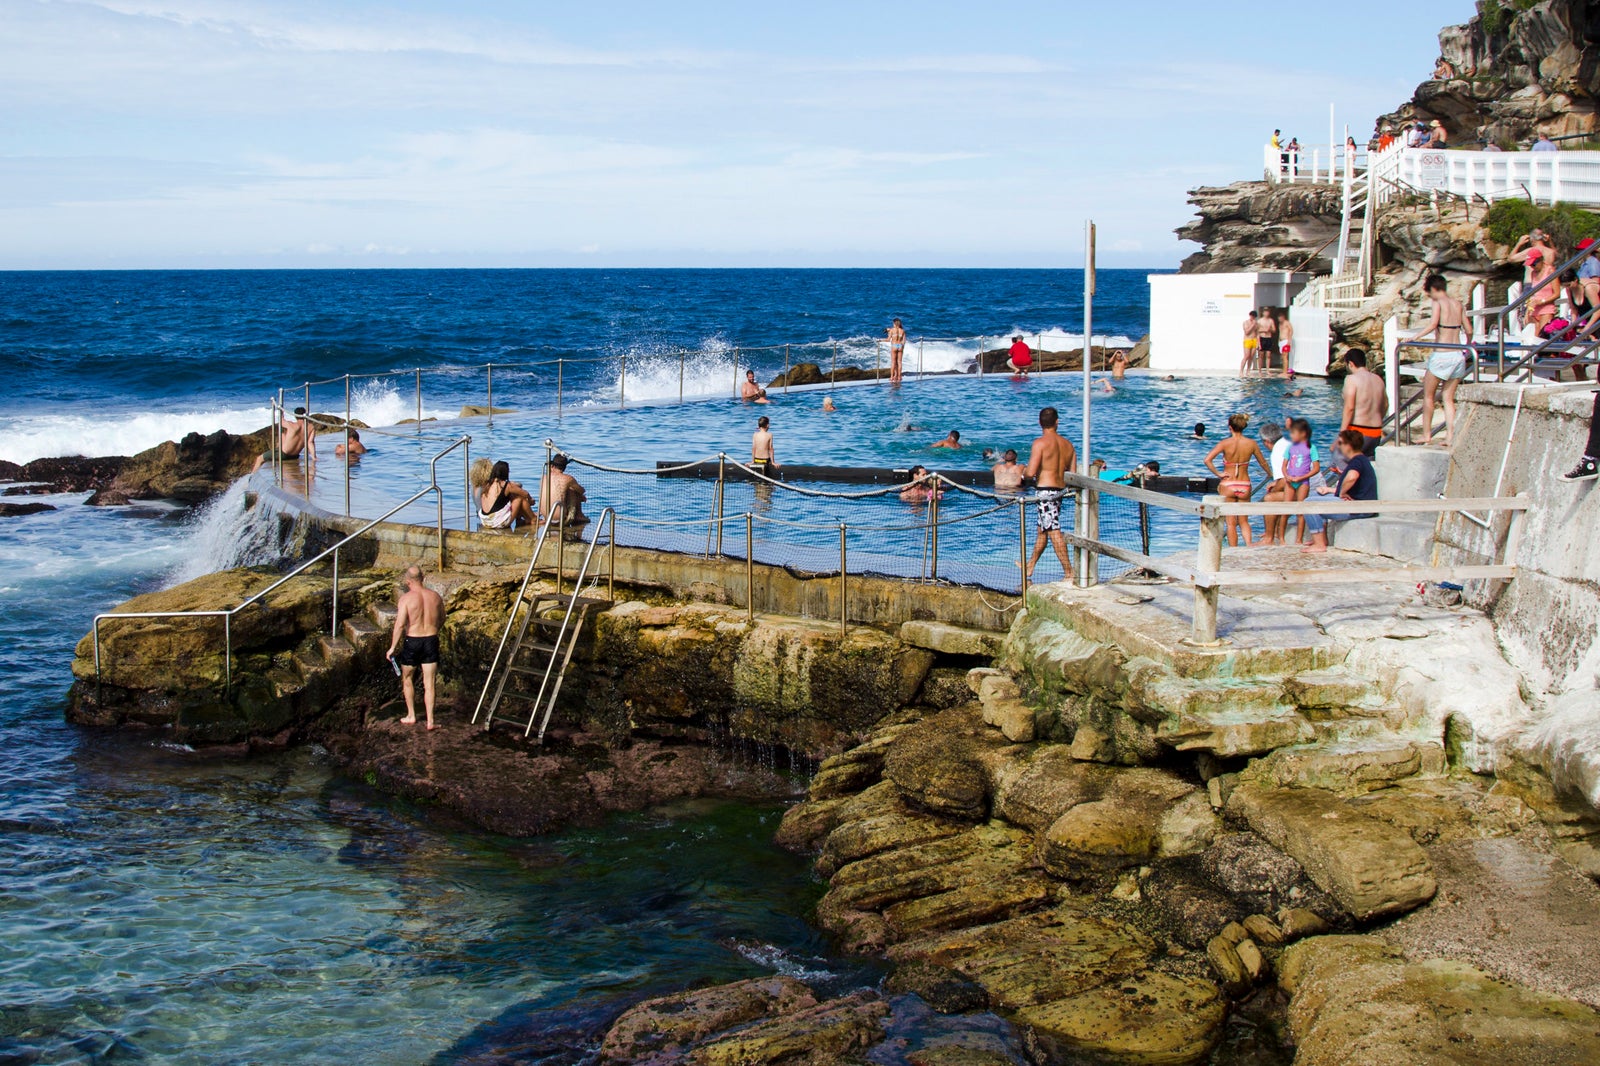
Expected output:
{"points": [[897, 350], [415, 644], [1049, 458], [1366, 403]]}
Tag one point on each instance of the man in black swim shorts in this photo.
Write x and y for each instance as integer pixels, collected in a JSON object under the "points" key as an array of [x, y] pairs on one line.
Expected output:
{"points": [[415, 643]]}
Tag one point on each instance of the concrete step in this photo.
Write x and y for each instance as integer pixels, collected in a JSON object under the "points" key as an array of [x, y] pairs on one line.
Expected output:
{"points": [[361, 632], [1409, 540], [335, 651], [382, 615], [1334, 690], [308, 663]]}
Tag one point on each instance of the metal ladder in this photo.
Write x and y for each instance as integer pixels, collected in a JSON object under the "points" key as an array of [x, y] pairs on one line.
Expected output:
{"points": [[551, 655]]}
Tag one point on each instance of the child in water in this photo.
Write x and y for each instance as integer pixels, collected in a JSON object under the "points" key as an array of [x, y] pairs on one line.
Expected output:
{"points": [[1301, 465]]}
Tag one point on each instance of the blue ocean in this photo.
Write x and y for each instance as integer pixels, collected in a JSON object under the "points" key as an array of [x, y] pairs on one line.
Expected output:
{"points": [[167, 905]]}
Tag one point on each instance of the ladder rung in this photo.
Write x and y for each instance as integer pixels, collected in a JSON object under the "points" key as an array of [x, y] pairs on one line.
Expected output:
{"points": [[533, 671]]}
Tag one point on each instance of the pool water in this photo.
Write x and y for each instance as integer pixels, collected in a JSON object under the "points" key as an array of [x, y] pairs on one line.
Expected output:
{"points": [[875, 426]]}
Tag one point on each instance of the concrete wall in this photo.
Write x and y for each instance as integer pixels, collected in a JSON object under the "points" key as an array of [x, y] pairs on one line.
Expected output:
{"points": [[1549, 616], [871, 601], [1197, 320]]}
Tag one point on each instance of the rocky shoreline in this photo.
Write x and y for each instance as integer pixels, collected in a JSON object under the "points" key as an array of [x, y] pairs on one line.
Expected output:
{"points": [[191, 471]]}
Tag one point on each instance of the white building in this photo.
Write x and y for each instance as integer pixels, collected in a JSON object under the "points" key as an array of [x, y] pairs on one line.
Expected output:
{"points": [[1197, 320]]}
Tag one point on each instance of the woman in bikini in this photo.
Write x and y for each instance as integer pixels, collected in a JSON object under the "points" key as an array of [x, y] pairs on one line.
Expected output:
{"points": [[1446, 366], [1237, 451], [502, 503]]}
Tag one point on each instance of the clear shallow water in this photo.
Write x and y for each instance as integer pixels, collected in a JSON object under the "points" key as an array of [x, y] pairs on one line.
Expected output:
{"points": [[164, 906], [875, 426]]}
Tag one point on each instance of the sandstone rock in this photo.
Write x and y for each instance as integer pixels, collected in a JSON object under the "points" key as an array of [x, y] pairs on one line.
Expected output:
{"points": [[192, 469], [1223, 955], [1048, 785], [1138, 814], [892, 830], [18, 510], [1264, 930], [1259, 877], [1147, 1018], [970, 904], [944, 990], [1188, 827], [806, 824], [1298, 922], [944, 687], [935, 764], [1092, 745], [821, 1034], [1013, 718], [951, 1053], [1251, 959], [73, 473], [1234, 932], [672, 1023], [798, 374], [1345, 768], [1186, 903], [1370, 867], [1355, 999], [947, 639], [1126, 889]]}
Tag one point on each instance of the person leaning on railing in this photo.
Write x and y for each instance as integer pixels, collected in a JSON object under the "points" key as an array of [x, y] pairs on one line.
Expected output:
{"points": [[1358, 482]]}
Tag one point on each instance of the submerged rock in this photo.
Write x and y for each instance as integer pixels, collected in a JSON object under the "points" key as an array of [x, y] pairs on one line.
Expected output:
{"points": [[17, 510], [672, 1023]]}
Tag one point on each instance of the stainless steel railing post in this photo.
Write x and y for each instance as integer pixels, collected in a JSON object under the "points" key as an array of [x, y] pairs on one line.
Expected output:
{"points": [[933, 524], [919, 358], [622, 383], [561, 365], [680, 375], [333, 626], [466, 486], [611, 561], [490, 368], [1022, 543], [736, 373], [722, 468], [227, 654], [844, 586], [785, 368], [419, 401], [347, 445], [834, 376], [750, 566]]}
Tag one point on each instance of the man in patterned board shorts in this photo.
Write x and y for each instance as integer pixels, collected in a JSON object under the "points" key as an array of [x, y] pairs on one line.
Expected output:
{"points": [[1050, 456]]}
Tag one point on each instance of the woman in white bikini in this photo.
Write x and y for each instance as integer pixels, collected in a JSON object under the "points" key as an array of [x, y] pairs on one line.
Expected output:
{"points": [[1237, 451], [502, 503], [1446, 366]]}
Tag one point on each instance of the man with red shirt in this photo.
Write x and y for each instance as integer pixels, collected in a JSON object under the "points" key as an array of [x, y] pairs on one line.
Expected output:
{"points": [[1021, 360]]}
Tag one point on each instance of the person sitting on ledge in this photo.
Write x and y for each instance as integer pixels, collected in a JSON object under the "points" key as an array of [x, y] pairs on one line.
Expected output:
{"points": [[357, 449], [502, 503], [560, 495], [1358, 482]]}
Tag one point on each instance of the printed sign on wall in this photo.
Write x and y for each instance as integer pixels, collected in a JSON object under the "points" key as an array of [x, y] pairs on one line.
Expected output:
{"points": [[1432, 171]]}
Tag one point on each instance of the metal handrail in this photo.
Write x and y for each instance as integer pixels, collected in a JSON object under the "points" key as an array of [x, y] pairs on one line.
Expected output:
{"points": [[228, 613], [607, 515], [522, 592]]}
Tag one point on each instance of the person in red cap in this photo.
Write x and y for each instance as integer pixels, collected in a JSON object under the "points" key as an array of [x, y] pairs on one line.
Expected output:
{"points": [[1538, 257]]}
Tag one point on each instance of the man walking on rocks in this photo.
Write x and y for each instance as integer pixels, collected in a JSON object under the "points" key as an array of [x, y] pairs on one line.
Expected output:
{"points": [[1050, 456], [418, 614]]}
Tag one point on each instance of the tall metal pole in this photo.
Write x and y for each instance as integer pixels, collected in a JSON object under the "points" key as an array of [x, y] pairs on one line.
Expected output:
{"points": [[419, 401], [1085, 574], [491, 394], [346, 450]]}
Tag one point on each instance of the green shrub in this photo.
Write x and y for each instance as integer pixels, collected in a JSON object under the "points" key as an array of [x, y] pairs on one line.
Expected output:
{"points": [[1507, 220]]}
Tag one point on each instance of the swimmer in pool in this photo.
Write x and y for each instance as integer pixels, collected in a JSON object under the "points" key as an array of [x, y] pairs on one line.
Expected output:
{"points": [[750, 392], [1008, 473], [1106, 386], [827, 404], [1199, 431], [952, 441]]}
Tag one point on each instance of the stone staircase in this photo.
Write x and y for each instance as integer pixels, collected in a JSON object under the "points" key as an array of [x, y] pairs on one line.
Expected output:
{"points": [[322, 667]]}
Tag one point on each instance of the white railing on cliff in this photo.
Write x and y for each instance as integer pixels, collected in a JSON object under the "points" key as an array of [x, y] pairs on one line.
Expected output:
{"points": [[1543, 177], [1310, 164]]}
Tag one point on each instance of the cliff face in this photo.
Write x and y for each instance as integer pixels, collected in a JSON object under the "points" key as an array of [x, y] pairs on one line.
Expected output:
{"points": [[1255, 225], [1514, 70]]}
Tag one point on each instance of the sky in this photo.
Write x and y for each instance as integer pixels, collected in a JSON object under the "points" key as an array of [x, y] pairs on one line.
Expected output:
{"points": [[246, 133]]}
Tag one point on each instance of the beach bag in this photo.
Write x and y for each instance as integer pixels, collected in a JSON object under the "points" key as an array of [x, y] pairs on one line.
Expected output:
{"points": [[1559, 328], [1297, 467]]}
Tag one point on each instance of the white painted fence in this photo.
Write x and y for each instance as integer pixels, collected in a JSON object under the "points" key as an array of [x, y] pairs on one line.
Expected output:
{"points": [[1312, 164], [1543, 177]]}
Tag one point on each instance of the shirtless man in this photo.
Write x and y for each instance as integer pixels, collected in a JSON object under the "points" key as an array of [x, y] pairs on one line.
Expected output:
{"points": [[1008, 473], [418, 614], [1248, 363], [1266, 338], [1119, 365], [1049, 458], [750, 392], [1366, 402], [560, 495], [298, 435], [762, 454], [897, 350], [357, 449], [952, 441]]}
